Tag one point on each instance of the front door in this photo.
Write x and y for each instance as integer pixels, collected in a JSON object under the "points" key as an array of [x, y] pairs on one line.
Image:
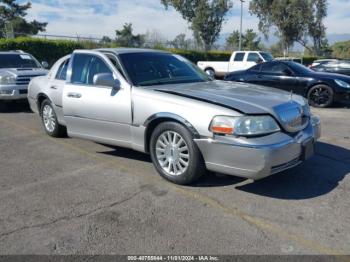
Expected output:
{"points": [[95, 112], [278, 75]]}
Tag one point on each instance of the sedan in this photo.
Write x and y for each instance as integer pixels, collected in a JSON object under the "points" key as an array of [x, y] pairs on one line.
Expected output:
{"points": [[321, 89], [338, 67], [161, 104]]}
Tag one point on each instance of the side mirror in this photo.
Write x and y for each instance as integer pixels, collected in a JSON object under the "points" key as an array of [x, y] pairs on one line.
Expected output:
{"points": [[106, 79], [259, 61], [45, 64]]}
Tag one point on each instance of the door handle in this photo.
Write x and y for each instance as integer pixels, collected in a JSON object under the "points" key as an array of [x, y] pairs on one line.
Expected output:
{"points": [[74, 95], [53, 87]]}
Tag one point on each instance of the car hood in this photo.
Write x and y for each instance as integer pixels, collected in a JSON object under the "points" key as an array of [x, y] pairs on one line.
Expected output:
{"points": [[291, 111], [24, 71], [243, 97], [330, 76]]}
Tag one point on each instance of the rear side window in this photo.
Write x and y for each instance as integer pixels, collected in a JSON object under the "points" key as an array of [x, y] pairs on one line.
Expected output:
{"points": [[85, 67], [62, 71], [253, 57], [239, 57]]}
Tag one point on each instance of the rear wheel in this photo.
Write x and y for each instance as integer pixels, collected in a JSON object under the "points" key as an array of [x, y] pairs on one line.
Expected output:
{"points": [[49, 119], [321, 96], [175, 155], [210, 72]]}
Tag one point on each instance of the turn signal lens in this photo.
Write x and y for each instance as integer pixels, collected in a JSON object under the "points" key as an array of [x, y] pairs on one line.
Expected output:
{"points": [[222, 125]]}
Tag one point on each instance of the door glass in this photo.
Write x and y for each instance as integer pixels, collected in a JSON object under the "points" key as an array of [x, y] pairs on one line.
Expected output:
{"points": [[275, 69], [62, 70], [85, 67], [239, 57]]}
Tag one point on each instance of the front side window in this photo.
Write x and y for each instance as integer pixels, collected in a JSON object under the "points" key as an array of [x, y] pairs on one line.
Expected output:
{"points": [[151, 68], [18, 61], [62, 70], [85, 67], [239, 57], [275, 68], [267, 56]]}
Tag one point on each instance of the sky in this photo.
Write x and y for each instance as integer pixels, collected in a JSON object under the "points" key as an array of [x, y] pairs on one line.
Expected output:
{"points": [[96, 18]]}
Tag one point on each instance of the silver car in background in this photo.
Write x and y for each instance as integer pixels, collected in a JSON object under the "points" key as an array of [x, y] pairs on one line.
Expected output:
{"points": [[159, 103], [17, 68]]}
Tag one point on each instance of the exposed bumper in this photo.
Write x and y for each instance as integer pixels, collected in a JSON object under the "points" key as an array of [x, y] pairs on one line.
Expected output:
{"points": [[13, 92], [257, 158]]}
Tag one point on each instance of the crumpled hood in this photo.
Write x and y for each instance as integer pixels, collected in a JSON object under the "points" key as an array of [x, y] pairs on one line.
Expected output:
{"points": [[246, 98]]}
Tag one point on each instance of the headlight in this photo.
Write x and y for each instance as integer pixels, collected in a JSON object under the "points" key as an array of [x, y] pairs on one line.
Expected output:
{"points": [[7, 80], [342, 83], [244, 126]]}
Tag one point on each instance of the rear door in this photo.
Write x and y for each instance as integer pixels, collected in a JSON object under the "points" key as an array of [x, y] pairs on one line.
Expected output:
{"points": [[98, 113]]}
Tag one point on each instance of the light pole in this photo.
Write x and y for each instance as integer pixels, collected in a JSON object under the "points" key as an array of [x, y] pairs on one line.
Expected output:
{"points": [[240, 31]]}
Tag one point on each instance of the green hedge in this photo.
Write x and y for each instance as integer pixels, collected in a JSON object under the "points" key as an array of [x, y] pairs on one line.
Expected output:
{"points": [[41, 49], [52, 50], [341, 50]]}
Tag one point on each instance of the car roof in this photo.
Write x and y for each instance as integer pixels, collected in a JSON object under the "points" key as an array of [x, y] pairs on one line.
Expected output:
{"points": [[15, 52], [123, 50]]}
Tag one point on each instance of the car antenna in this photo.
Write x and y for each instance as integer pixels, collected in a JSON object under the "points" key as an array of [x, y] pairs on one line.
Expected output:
{"points": [[291, 95]]}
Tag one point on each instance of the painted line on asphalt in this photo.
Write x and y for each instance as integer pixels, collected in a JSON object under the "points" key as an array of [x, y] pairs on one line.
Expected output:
{"points": [[257, 222]]}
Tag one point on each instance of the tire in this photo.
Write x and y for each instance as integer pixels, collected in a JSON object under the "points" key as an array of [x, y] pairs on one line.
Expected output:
{"points": [[210, 72], [49, 120], [321, 96], [180, 162]]}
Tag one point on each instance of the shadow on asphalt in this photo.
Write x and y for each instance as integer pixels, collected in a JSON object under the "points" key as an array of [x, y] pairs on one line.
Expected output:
{"points": [[316, 177], [14, 107]]}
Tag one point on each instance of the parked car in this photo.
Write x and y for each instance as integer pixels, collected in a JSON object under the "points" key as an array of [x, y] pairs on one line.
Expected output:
{"points": [[321, 89], [16, 70], [238, 61], [322, 61], [159, 103], [338, 67]]}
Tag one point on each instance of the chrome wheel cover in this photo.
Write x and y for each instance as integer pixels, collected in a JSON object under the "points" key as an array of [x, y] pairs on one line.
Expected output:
{"points": [[172, 153], [49, 118]]}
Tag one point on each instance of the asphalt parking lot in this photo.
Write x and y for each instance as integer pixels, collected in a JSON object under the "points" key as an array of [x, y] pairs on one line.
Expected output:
{"points": [[70, 196]]}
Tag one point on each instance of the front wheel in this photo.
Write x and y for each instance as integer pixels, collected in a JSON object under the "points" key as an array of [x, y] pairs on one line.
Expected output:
{"points": [[175, 155], [49, 119], [321, 96]]}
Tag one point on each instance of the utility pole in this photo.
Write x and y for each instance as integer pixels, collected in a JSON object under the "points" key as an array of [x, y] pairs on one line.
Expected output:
{"points": [[240, 31]]}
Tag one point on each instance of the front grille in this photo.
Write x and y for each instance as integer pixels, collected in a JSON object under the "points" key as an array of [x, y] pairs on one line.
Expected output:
{"points": [[24, 80], [293, 117], [23, 91]]}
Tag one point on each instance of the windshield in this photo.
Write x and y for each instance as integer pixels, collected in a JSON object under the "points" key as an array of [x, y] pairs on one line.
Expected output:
{"points": [[18, 61], [267, 56], [149, 68]]}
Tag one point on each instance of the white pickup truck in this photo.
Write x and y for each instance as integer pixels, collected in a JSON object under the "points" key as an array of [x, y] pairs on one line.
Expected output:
{"points": [[240, 60]]}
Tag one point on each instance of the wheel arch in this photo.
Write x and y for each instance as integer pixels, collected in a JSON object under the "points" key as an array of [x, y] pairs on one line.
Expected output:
{"points": [[316, 84], [153, 121], [40, 99]]}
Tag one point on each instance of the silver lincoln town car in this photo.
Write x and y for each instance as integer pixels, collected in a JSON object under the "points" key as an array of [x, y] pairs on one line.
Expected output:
{"points": [[160, 103]]}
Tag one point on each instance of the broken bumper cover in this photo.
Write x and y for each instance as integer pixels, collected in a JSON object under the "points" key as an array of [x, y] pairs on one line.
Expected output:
{"points": [[259, 157]]}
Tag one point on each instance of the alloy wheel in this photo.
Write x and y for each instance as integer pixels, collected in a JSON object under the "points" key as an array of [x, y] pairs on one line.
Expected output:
{"points": [[172, 153]]}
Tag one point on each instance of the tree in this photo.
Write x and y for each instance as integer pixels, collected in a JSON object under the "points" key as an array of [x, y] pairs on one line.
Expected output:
{"points": [[250, 40], [14, 14], [316, 27], [205, 16], [290, 17], [180, 42], [126, 38]]}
